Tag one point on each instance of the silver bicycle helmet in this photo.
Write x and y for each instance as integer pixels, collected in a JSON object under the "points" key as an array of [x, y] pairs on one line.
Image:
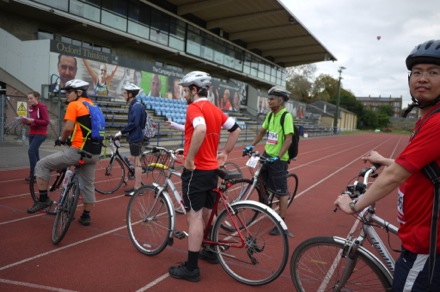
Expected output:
{"points": [[131, 87], [76, 84], [426, 53], [197, 78], [279, 91]]}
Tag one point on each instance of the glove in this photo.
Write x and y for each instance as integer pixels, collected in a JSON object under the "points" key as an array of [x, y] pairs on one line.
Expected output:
{"points": [[247, 149], [118, 134], [58, 142], [273, 159]]}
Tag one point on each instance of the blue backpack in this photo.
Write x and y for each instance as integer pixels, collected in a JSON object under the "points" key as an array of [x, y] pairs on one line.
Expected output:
{"points": [[97, 121]]}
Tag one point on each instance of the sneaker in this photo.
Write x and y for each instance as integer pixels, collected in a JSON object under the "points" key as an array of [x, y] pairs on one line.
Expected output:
{"points": [[209, 256], [29, 179], [130, 192], [276, 231], [39, 206], [85, 220], [181, 272]]}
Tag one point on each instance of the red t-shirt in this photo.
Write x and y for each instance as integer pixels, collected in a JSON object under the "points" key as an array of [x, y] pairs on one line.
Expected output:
{"points": [[415, 195], [214, 119]]}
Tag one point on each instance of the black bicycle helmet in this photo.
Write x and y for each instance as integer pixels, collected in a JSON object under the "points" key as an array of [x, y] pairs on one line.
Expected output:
{"points": [[76, 84], [279, 91], [426, 53]]}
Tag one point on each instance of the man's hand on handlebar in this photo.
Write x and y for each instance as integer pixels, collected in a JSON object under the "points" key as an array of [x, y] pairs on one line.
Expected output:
{"points": [[273, 159], [59, 142], [247, 149]]}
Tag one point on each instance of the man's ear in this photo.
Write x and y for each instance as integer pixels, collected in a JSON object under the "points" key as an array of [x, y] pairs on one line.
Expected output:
{"points": [[79, 92]]}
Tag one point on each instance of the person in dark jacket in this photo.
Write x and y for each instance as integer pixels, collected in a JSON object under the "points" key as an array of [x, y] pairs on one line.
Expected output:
{"points": [[37, 120], [134, 131]]}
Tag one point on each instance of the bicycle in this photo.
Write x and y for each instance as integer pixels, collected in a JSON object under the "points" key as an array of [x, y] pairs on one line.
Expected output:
{"points": [[114, 173], [66, 205], [343, 264], [245, 250], [160, 162], [243, 188]]}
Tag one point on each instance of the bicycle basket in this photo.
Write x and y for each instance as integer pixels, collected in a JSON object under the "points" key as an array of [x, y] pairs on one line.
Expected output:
{"points": [[156, 160]]}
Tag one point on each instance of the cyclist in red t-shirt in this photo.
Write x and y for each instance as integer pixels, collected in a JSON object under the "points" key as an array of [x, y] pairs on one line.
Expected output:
{"points": [[202, 135], [415, 191]]}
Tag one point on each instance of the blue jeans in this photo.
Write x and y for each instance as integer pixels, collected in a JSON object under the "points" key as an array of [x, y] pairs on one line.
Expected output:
{"points": [[35, 142]]}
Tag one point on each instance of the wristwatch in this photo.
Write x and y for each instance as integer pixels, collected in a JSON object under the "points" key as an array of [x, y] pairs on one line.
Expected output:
{"points": [[352, 205]]}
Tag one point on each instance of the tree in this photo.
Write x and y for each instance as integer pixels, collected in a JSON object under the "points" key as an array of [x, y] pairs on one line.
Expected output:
{"points": [[299, 81]]}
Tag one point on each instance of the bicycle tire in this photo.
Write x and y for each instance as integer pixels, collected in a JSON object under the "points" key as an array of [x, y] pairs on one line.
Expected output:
{"points": [[55, 182], [313, 261], [263, 257], [110, 176], [65, 212], [292, 187], [231, 167], [149, 220]]}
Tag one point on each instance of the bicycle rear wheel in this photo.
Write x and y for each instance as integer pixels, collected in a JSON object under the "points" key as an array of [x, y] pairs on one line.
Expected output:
{"points": [[292, 187], [149, 220], [65, 211], [318, 263], [109, 175], [55, 180], [263, 257]]}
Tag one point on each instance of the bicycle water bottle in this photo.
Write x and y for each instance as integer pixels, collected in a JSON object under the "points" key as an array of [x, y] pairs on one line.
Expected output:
{"points": [[67, 177], [130, 164]]}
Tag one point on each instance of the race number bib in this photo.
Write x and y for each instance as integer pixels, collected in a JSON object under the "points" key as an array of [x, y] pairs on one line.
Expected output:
{"points": [[253, 161], [272, 138]]}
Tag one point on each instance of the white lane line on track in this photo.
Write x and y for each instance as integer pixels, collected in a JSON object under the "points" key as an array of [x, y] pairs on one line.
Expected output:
{"points": [[34, 286], [61, 248]]}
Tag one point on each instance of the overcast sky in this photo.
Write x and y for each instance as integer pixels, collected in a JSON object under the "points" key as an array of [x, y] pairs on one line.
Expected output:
{"points": [[349, 30]]}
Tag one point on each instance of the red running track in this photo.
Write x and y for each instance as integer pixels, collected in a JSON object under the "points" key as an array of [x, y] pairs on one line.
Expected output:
{"points": [[101, 257]]}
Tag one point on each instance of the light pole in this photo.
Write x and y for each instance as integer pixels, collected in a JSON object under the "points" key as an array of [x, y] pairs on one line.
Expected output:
{"points": [[338, 99]]}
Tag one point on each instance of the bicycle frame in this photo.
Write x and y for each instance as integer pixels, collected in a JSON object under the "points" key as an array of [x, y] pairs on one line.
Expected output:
{"points": [[114, 143], [368, 219]]}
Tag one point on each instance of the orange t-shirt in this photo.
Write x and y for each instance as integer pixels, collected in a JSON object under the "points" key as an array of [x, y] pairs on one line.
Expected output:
{"points": [[76, 109]]}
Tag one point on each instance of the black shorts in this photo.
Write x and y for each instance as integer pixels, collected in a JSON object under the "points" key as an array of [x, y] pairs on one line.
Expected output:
{"points": [[197, 188], [275, 177], [136, 149]]}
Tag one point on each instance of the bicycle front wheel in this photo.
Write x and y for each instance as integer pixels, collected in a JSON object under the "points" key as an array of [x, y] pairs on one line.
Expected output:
{"points": [[260, 258], [65, 211], [149, 220], [317, 264], [109, 175], [231, 167]]}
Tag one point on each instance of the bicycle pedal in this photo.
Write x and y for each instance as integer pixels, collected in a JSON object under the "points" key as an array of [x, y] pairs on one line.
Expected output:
{"points": [[180, 234]]}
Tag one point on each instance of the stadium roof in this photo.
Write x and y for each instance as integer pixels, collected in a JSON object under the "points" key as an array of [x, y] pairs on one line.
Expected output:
{"points": [[263, 26]]}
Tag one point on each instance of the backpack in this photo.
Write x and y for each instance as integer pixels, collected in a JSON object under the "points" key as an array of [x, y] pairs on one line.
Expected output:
{"points": [[97, 122], [293, 148], [149, 130]]}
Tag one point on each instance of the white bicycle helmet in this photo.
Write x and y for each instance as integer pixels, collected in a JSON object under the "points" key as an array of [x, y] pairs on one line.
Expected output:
{"points": [[131, 87], [76, 84], [197, 78], [279, 91]]}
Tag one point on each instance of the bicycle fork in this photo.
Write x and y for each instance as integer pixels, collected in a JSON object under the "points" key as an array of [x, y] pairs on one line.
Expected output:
{"points": [[349, 255]]}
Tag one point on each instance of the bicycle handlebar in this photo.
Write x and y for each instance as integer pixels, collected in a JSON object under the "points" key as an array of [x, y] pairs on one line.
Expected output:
{"points": [[171, 152]]}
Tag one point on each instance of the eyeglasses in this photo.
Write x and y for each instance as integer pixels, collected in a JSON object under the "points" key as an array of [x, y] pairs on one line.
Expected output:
{"points": [[65, 67], [102, 70], [69, 91], [272, 98], [431, 74]]}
